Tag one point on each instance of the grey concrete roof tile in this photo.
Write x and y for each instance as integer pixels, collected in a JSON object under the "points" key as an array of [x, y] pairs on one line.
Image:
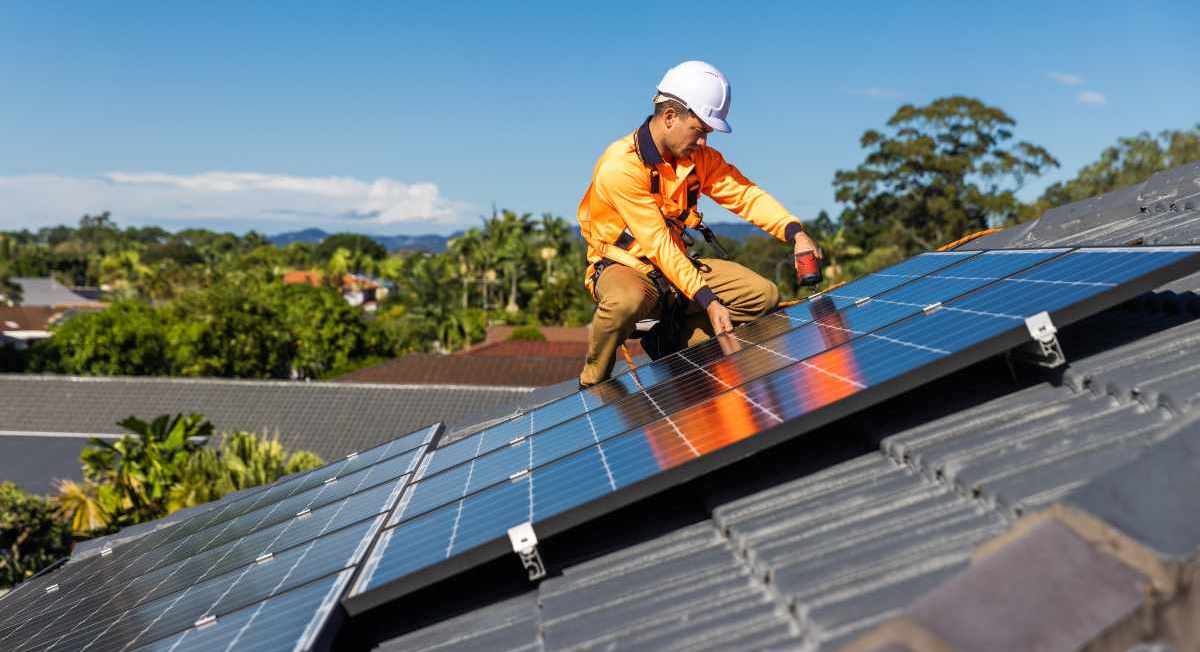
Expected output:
{"points": [[709, 567], [840, 615], [957, 450], [1048, 590], [1026, 403], [505, 626], [742, 627], [847, 505], [1033, 473], [852, 473], [887, 560], [680, 543], [1148, 498], [877, 550], [646, 613]]}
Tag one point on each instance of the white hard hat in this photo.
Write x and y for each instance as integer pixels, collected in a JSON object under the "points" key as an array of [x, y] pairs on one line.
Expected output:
{"points": [[703, 89]]}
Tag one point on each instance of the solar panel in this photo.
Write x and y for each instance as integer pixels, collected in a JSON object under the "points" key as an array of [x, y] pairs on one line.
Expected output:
{"points": [[286, 550], [672, 366], [850, 350]]}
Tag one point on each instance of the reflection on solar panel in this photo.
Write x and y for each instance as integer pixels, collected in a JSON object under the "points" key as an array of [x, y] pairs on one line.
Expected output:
{"points": [[598, 450], [260, 571]]}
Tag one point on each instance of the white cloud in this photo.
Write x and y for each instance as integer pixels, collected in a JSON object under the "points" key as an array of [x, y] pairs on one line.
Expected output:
{"points": [[264, 201], [1092, 97], [1066, 79], [879, 93]]}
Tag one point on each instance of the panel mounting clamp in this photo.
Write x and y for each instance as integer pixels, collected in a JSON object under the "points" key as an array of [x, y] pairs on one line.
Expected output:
{"points": [[524, 543], [1044, 350]]}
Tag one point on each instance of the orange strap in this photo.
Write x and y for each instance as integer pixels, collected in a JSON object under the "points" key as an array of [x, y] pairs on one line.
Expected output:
{"points": [[964, 240], [628, 358]]}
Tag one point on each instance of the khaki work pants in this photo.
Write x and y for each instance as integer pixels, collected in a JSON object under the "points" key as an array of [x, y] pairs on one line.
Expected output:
{"points": [[626, 296]]}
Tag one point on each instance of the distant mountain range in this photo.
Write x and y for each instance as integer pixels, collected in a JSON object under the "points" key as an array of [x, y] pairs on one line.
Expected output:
{"points": [[437, 243]]}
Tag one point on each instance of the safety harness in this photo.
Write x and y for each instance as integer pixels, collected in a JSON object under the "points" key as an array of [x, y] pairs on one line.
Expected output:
{"points": [[671, 302]]}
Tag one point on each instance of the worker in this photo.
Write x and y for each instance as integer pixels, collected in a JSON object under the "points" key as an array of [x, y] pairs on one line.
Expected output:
{"points": [[633, 216]]}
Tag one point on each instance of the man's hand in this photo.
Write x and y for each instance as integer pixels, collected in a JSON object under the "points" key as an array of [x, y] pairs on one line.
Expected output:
{"points": [[805, 244], [718, 315]]}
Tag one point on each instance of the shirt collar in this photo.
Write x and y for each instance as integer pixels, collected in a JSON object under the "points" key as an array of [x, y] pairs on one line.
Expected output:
{"points": [[648, 152]]}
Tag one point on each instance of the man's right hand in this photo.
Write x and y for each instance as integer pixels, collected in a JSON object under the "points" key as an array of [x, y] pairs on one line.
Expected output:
{"points": [[718, 316]]}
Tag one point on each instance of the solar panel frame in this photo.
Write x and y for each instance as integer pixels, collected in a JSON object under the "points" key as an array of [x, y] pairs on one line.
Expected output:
{"points": [[360, 601]]}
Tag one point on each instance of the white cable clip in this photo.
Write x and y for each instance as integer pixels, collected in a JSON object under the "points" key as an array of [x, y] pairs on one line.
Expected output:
{"points": [[201, 623], [932, 307], [524, 543]]}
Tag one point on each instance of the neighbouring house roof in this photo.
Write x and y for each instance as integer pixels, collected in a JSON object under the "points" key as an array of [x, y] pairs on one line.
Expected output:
{"points": [[316, 278], [551, 333], [49, 292], [425, 368], [40, 414], [28, 318]]}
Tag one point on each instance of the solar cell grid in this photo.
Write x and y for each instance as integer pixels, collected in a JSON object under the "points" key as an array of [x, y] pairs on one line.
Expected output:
{"points": [[387, 472], [671, 367], [320, 524], [287, 621], [931, 336], [702, 380]]}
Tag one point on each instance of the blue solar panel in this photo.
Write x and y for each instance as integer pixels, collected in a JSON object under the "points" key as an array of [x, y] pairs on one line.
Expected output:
{"points": [[863, 352], [671, 367], [288, 621], [438, 485], [239, 555]]}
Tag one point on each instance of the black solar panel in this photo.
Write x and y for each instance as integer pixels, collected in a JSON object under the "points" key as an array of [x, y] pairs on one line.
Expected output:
{"points": [[288, 549], [830, 356]]}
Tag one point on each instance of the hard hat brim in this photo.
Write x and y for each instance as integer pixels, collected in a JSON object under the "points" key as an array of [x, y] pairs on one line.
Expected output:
{"points": [[716, 123]]}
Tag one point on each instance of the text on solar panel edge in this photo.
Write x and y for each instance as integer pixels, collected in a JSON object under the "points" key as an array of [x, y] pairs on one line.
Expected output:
{"points": [[361, 601]]}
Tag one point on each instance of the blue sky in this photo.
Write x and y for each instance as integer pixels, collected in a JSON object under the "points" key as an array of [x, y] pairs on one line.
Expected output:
{"points": [[414, 118]]}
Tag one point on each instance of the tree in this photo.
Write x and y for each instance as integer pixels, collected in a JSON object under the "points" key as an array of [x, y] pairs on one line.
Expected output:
{"points": [[326, 332], [127, 338], [357, 244], [31, 538], [231, 330], [164, 466], [1130, 161], [943, 170]]}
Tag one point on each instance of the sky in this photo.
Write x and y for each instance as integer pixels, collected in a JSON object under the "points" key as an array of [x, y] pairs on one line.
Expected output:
{"points": [[409, 118]]}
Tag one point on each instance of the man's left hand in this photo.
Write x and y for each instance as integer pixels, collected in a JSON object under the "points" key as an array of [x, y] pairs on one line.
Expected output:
{"points": [[805, 244]]}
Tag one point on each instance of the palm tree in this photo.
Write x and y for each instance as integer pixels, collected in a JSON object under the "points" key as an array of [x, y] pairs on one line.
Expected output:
{"points": [[513, 243], [80, 504], [555, 240], [466, 249]]}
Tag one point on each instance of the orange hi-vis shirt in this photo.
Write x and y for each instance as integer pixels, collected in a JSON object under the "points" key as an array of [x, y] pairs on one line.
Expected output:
{"points": [[619, 197]]}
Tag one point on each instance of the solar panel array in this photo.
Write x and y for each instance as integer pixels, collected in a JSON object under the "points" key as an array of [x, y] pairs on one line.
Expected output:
{"points": [[261, 571], [604, 447], [266, 569]]}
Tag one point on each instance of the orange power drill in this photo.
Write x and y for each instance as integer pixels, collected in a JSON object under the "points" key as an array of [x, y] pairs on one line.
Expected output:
{"points": [[808, 269]]}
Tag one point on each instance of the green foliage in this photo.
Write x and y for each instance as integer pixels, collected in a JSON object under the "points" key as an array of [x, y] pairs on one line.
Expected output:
{"points": [[527, 334], [1130, 161], [165, 466], [127, 338], [31, 537], [355, 244], [942, 170]]}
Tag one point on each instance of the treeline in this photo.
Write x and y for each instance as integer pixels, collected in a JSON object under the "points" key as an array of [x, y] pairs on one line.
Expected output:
{"points": [[163, 466], [198, 303]]}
